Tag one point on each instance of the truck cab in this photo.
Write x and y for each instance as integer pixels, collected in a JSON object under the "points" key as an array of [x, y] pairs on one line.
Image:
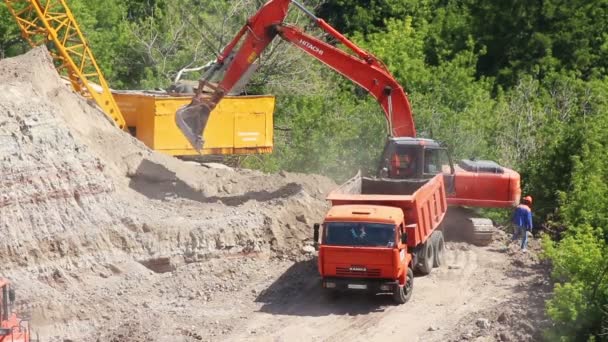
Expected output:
{"points": [[363, 247], [378, 231]]}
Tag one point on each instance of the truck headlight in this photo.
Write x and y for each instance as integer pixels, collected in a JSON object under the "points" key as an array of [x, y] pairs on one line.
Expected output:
{"points": [[330, 285], [385, 287]]}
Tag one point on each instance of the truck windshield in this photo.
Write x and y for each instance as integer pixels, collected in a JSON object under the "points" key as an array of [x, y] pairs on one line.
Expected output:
{"points": [[360, 234]]}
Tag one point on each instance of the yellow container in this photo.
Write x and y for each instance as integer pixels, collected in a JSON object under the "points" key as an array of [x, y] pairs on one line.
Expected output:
{"points": [[238, 125]]}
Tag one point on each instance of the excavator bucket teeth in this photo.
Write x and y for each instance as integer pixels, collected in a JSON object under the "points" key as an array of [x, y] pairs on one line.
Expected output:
{"points": [[191, 120]]}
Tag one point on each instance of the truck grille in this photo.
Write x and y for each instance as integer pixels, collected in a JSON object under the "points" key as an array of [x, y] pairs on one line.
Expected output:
{"points": [[345, 271]]}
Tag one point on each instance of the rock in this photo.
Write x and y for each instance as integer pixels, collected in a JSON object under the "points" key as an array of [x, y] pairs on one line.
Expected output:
{"points": [[526, 326], [518, 263], [433, 328], [454, 267], [308, 249], [217, 166], [464, 247], [483, 323], [146, 228], [115, 269], [302, 218], [502, 318], [504, 337]]}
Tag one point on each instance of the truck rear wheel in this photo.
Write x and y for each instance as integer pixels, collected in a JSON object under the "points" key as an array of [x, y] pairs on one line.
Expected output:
{"points": [[426, 258], [402, 294], [439, 247]]}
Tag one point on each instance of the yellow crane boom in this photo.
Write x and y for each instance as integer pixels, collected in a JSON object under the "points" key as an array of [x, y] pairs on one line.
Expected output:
{"points": [[51, 22]]}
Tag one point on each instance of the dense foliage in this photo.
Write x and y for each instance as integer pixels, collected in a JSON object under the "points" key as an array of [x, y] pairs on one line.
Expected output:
{"points": [[520, 82]]}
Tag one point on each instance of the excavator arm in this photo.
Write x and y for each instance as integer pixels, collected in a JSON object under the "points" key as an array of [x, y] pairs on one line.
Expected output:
{"points": [[361, 68]]}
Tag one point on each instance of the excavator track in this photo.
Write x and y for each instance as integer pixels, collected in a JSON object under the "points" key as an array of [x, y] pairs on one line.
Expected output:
{"points": [[481, 231], [464, 224]]}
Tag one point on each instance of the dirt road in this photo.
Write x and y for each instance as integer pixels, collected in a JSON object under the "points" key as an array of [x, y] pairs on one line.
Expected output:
{"points": [[476, 284], [440, 299], [482, 294]]}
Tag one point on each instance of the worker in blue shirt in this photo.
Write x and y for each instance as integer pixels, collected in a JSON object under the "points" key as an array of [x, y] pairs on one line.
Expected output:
{"points": [[522, 219]]}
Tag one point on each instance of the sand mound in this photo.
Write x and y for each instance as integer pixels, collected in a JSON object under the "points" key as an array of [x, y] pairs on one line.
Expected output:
{"points": [[84, 204]]}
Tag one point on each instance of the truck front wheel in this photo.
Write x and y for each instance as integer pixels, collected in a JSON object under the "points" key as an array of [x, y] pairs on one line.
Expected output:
{"points": [[402, 294]]}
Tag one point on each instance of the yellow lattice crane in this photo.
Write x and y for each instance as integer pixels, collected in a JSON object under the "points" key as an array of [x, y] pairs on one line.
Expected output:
{"points": [[44, 22]]}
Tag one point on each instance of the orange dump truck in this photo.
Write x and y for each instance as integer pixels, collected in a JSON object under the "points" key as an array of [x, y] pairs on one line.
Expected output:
{"points": [[378, 231]]}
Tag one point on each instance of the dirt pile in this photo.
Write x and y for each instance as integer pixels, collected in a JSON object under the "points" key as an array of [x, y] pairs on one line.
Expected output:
{"points": [[93, 221]]}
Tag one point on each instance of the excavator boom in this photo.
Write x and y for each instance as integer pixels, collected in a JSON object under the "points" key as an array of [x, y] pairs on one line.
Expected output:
{"points": [[361, 68]]}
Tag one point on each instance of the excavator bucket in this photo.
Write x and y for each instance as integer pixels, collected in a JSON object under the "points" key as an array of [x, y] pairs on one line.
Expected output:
{"points": [[191, 120]]}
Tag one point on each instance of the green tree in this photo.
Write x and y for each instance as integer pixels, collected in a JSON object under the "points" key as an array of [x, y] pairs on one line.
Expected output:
{"points": [[362, 16]]}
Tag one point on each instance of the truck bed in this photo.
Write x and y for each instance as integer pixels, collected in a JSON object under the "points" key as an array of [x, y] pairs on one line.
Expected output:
{"points": [[423, 201], [386, 186]]}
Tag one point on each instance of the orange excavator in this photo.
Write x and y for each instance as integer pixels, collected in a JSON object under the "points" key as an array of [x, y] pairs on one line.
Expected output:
{"points": [[471, 183], [12, 328]]}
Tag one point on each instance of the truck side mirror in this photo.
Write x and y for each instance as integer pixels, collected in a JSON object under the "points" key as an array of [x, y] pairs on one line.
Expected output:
{"points": [[404, 238], [315, 228], [11, 295], [315, 236]]}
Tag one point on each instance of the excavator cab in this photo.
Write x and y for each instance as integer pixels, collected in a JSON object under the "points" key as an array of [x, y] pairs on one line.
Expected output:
{"points": [[415, 158]]}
